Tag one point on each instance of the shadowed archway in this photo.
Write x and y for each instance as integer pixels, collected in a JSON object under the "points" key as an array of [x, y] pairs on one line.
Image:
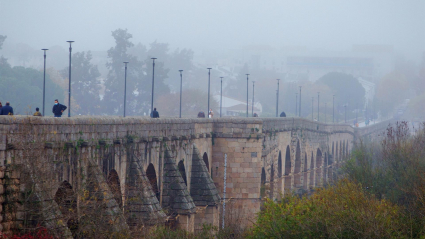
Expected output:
{"points": [[151, 174], [114, 184], [182, 171], [205, 158]]}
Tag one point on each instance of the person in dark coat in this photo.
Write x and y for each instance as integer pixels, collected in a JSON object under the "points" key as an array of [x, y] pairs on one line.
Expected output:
{"points": [[7, 109], [201, 114], [155, 113], [58, 109], [282, 114]]}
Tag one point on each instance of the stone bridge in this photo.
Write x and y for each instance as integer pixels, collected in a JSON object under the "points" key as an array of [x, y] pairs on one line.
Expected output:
{"points": [[124, 174]]}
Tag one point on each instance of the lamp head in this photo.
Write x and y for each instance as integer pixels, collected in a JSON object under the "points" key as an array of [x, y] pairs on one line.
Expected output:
{"points": [[181, 71], [70, 42], [153, 58], [209, 68], [125, 62], [44, 49]]}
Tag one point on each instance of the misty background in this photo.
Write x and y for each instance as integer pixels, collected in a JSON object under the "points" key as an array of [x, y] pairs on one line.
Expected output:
{"points": [[369, 54]]}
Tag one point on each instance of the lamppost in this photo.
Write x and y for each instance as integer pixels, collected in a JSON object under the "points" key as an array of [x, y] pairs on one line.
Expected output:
{"points": [[69, 80], [277, 98], [357, 109], [252, 98], [299, 111], [296, 104], [221, 93], [153, 82], [318, 101], [325, 112], [312, 106], [125, 85], [181, 86], [333, 109], [44, 79], [209, 76], [247, 76], [345, 109]]}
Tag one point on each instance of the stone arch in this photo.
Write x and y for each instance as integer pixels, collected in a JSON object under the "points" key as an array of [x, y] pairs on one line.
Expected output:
{"points": [[319, 161], [205, 158], [288, 161], [66, 199], [151, 174], [305, 172], [297, 159], [325, 167], [336, 152], [263, 183], [182, 171], [297, 168], [279, 165], [114, 184], [346, 149], [271, 182], [318, 169], [312, 169]]}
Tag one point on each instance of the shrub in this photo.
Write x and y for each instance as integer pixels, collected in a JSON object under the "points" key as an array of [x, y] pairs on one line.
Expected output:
{"points": [[340, 211]]}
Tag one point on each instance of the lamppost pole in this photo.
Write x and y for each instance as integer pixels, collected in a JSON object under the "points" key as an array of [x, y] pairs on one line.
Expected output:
{"points": [[296, 104], [325, 112], [44, 79], [221, 94], [318, 101], [299, 111], [69, 80], [357, 109], [125, 85], [312, 107], [333, 109], [252, 113], [209, 76], [153, 82], [181, 87], [277, 98], [247, 78], [345, 109]]}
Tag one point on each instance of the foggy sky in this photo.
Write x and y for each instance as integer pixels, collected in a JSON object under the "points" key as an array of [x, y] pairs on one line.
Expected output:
{"points": [[217, 25]]}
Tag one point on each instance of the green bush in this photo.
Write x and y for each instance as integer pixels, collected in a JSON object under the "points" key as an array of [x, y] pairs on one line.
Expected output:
{"points": [[340, 211]]}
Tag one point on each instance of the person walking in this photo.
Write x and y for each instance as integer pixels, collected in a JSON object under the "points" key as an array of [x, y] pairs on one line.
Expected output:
{"points": [[210, 113], [155, 113], [7, 109], [58, 109], [37, 112], [0, 106]]}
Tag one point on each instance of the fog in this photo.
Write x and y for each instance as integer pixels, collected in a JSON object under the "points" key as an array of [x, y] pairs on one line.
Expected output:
{"points": [[225, 35], [217, 25]]}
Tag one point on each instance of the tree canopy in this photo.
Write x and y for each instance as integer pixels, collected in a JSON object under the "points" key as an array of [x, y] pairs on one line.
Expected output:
{"points": [[347, 89]]}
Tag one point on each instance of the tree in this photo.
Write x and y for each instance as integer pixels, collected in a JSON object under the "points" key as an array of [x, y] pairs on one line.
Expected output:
{"points": [[85, 84], [392, 90], [347, 88], [193, 101], [114, 85], [2, 38], [139, 78], [23, 88]]}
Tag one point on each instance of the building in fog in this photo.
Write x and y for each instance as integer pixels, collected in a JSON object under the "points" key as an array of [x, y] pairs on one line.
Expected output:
{"points": [[235, 107]]}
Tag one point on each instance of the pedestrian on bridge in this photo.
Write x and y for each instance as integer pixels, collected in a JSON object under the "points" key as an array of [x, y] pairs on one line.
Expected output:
{"points": [[58, 109], [37, 112], [7, 109], [155, 113]]}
